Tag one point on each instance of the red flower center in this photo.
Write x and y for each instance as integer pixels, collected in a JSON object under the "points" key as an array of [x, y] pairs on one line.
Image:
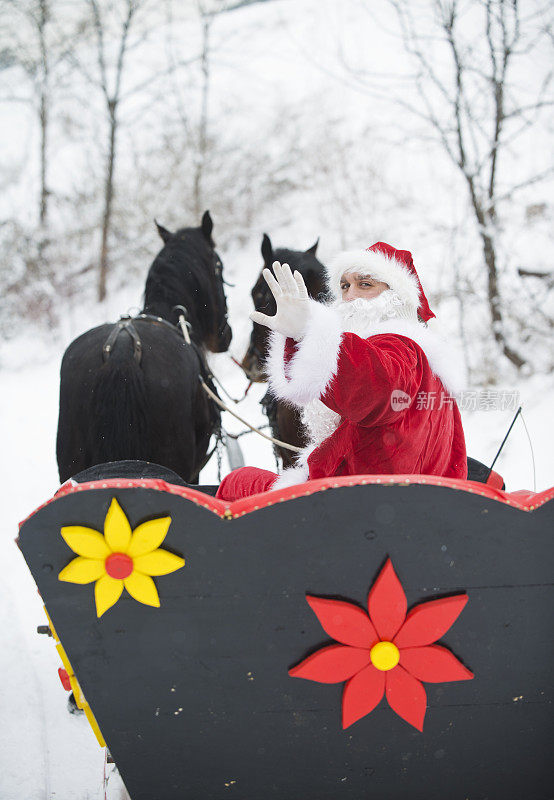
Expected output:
{"points": [[119, 565]]}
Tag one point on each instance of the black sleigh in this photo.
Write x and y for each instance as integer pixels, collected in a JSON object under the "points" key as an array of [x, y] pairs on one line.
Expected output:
{"points": [[368, 637]]}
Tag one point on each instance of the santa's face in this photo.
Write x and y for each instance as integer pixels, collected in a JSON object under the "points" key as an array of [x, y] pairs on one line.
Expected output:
{"points": [[354, 285]]}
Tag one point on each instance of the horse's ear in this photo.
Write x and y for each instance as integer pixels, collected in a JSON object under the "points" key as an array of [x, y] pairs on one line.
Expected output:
{"points": [[267, 250], [313, 248], [207, 227], [164, 233]]}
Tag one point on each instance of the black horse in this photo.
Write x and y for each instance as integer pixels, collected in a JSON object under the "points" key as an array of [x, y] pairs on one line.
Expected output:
{"points": [[284, 420], [131, 391]]}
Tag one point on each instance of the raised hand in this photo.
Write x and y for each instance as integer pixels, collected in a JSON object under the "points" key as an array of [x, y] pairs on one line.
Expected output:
{"points": [[292, 300]]}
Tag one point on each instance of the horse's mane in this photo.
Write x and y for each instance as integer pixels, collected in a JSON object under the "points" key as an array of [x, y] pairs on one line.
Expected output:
{"points": [[181, 271]]}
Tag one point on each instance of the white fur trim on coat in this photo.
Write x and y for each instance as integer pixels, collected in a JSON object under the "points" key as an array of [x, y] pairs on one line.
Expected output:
{"points": [[314, 364], [292, 476], [376, 265]]}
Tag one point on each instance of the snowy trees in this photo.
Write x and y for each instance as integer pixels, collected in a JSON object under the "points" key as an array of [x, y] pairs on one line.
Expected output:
{"points": [[479, 110], [36, 37], [35, 43], [483, 81], [111, 91], [109, 79], [146, 109], [120, 114]]}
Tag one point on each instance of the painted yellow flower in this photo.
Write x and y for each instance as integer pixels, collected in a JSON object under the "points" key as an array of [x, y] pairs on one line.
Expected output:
{"points": [[119, 558]]}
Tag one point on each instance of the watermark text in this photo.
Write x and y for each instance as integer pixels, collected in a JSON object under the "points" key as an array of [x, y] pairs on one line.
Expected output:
{"points": [[466, 400]]}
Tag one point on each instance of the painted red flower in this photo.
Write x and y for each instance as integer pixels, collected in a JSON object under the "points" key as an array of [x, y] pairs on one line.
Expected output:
{"points": [[386, 653]]}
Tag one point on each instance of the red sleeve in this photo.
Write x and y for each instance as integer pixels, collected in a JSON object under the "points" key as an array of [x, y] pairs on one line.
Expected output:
{"points": [[291, 346], [368, 371]]}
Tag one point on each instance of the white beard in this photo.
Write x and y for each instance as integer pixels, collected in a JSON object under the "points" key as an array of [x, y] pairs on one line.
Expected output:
{"points": [[358, 316]]}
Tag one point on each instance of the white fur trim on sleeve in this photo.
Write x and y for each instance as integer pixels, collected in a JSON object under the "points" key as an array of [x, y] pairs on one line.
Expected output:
{"points": [[311, 369], [292, 476]]}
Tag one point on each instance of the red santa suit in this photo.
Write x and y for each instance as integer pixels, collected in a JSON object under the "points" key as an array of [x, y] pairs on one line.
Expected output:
{"points": [[376, 395]]}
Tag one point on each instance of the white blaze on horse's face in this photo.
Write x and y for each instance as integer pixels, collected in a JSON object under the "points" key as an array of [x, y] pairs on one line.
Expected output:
{"points": [[353, 285]]}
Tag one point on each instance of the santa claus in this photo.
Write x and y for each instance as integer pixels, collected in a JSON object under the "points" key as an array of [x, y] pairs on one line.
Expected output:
{"points": [[374, 383]]}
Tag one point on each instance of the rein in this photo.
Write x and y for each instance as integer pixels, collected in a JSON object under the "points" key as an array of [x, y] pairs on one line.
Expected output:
{"points": [[224, 390], [224, 407], [219, 402], [185, 327]]}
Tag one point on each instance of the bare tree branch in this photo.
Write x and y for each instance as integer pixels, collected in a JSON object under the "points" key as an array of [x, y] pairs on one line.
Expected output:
{"points": [[471, 110]]}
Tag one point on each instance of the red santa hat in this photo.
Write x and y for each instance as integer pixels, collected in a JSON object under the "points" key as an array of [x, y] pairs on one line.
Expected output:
{"points": [[384, 263]]}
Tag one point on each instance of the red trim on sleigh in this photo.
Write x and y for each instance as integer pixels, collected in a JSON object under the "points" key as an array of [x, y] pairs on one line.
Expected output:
{"points": [[522, 499]]}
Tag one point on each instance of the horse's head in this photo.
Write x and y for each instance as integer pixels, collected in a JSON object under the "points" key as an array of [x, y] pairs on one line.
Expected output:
{"points": [[313, 272], [188, 272]]}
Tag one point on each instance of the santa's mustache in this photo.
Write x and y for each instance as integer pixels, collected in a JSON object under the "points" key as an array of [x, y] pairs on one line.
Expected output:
{"points": [[359, 314]]}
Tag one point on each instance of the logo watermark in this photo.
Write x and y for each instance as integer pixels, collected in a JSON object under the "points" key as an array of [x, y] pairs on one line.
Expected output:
{"points": [[467, 400], [399, 400]]}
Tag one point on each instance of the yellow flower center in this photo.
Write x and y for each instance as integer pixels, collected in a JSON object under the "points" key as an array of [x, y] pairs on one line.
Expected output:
{"points": [[384, 655]]}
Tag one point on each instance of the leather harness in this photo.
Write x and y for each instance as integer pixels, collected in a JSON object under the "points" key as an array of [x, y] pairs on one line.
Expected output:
{"points": [[125, 323]]}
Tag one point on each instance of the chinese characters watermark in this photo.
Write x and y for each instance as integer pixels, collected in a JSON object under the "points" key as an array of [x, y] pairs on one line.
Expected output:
{"points": [[467, 400]]}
